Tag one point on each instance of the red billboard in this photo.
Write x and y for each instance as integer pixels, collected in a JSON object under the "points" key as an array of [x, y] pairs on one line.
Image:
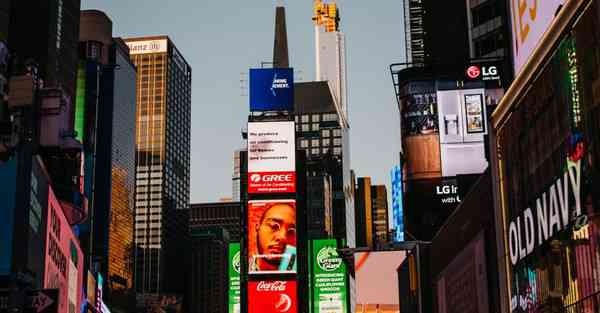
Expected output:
{"points": [[63, 268], [272, 236], [271, 182], [272, 296]]}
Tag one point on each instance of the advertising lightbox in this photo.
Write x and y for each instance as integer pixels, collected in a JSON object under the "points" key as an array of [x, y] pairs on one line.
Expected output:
{"points": [[330, 287], [272, 296], [271, 157], [272, 236], [397, 204], [64, 259], [271, 89], [377, 278], [530, 20], [234, 277]]}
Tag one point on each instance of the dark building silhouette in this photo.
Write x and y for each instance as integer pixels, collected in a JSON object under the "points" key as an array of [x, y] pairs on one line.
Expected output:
{"points": [[226, 215], [280, 44]]}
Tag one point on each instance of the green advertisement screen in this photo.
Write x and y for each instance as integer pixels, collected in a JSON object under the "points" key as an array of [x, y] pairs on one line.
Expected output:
{"points": [[80, 102], [329, 282], [234, 277]]}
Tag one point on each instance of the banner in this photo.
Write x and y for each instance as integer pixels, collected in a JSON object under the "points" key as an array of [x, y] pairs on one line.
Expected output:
{"points": [[272, 236], [234, 277], [272, 296], [330, 289], [271, 157], [271, 89]]}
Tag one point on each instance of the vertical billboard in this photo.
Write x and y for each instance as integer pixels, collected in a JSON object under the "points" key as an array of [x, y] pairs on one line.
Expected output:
{"points": [[530, 20], [272, 89], [271, 157], [330, 288], [377, 281], [234, 277], [272, 237], [397, 204], [272, 296], [64, 259]]}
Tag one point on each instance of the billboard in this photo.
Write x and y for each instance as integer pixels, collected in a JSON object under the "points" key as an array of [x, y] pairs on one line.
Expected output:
{"points": [[272, 296], [462, 285], [271, 157], [330, 287], [272, 89], [397, 204], [530, 20], [234, 277], [377, 279], [272, 236], [64, 259]]}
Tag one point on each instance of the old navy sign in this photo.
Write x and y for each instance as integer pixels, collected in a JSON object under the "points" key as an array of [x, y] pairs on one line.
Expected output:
{"points": [[551, 213]]}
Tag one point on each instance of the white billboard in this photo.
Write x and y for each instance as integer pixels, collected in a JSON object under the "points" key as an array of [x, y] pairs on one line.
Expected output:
{"points": [[147, 46], [271, 157], [530, 19]]}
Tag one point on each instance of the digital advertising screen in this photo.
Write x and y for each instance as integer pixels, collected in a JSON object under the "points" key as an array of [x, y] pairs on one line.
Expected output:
{"points": [[377, 279], [397, 203], [272, 237], [330, 287], [64, 259], [234, 277], [271, 89], [271, 157], [272, 296]]}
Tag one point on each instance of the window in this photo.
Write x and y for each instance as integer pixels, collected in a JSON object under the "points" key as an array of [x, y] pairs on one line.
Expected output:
{"points": [[316, 118], [304, 118], [337, 142], [305, 127], [314, 142], [315, 127], [315, 151], [325, 133], [337, 151], [303, 143], [326, 142], [337, 132]]}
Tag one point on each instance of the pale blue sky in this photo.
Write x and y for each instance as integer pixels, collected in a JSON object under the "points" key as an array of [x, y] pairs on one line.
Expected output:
{"points": [[222, 39]]}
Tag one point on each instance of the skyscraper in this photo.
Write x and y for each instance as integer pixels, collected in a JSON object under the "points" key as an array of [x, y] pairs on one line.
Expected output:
{"points": [[163, 158]]}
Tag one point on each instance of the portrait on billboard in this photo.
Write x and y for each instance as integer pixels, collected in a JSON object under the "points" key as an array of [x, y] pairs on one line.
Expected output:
{"points": [[272, 236], [474, 113]]}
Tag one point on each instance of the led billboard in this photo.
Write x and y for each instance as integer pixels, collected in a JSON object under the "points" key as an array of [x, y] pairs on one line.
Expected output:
{"points": [[272, 236], [330, 287], [271, 89], [234, 277], [377, 280], [271, 157], [64, 259], [530, 20], [272, 296], [397, 204]]}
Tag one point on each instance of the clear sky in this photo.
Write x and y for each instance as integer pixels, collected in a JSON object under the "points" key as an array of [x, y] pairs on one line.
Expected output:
{"points": [[223, 39]]}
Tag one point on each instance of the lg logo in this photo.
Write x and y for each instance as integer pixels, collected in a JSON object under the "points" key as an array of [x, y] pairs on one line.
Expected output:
{"points": [[488, 72], [276, 178]]}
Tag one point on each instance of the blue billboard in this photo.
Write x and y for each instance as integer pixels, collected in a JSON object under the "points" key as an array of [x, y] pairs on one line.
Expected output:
{"points": [[271, 89], [397, 205]]}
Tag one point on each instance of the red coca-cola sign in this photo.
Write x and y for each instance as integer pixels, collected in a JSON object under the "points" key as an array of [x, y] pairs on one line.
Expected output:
{"points": [[272, 296]]}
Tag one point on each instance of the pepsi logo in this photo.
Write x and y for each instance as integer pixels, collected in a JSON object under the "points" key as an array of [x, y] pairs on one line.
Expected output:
{"points": [[473, 71]]}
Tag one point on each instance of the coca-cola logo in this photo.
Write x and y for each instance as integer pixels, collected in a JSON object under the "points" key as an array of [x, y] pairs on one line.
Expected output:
{"points": [[276, 178], [278, 285]]}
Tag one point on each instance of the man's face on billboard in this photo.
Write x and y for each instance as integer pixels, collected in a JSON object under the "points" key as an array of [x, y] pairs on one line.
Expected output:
{"points": [[276, 230]]}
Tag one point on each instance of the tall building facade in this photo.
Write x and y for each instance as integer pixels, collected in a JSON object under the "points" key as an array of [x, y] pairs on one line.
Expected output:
{"points": [[162, 157], [371, 214], [380, 214], [488, 29], [236, 176], [225, 215]]}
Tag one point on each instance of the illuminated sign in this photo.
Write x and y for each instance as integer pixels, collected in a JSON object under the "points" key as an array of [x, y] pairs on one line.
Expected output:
{"points": [[488, 72], [64, 259], [272, 89], [272, 236], [272, 296], [552, 212], [234, 277], [330, 289], [530, 20], [271, 157], [397, 205], [147, 46]]}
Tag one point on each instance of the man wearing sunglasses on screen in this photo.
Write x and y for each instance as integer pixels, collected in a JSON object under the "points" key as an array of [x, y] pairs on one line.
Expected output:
{"points": [[276, 239]]}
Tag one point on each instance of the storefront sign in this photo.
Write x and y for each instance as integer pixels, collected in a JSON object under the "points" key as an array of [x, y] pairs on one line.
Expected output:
{"points": [[553, 212], [329, 278]]}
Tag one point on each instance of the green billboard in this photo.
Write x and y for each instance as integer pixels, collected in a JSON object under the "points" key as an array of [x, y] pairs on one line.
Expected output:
{"points": [[329, 282], [234, 277]]}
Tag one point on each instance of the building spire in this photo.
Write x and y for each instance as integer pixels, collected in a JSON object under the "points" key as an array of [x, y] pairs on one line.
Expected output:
{"points": [[280, 45]]}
